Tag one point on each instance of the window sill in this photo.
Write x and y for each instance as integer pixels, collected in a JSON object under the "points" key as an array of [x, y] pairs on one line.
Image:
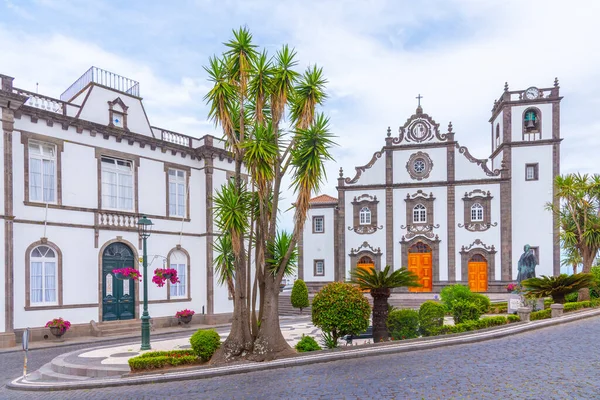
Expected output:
{"points": [[175, 300], [59, 307]]}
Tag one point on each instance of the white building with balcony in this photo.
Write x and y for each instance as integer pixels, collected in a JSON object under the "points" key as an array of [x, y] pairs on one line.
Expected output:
{"points": [[77, 174]]}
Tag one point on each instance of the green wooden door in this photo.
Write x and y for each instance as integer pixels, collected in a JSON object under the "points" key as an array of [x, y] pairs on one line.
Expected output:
{"points": [[118, 296]]}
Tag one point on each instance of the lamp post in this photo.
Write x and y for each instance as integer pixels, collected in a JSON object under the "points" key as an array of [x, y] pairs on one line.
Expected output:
{"points": [[145, 228]]}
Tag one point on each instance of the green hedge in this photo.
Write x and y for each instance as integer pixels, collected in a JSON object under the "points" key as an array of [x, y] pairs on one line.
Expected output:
{"points": [[431, 316], [482, 323], [307, 343], [403, 324], [544, 314], [498, 308], [205, 342], [578, 305], [162, 359]]}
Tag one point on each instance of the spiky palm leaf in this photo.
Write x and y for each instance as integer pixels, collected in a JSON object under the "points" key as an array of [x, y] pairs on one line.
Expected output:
{"points": [[260, 85], [232, 210], [278, 249], [308, 158], [369, 279], [284, 79], [225, 262], [221, 98], [240, 57], [557, 286], [309, 92], [261, 152]]}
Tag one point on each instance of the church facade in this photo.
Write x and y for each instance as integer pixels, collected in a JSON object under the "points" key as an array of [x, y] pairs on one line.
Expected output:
{"points": [[78, 172], [424, 202]]}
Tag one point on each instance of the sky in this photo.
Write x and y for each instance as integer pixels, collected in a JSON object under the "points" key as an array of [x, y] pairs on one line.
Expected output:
{"points": [[376, 55]]}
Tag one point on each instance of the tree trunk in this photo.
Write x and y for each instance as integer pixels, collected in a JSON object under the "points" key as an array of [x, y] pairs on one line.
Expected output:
{"points": [[270, 343], [588, 260], [380, 314]]}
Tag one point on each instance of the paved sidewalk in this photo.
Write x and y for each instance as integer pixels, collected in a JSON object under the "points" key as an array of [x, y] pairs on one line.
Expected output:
{"points": [[120, 378]]}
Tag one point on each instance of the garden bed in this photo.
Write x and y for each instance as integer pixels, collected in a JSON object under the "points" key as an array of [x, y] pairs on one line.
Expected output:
{"points": [[569, 307], [163, 359]]}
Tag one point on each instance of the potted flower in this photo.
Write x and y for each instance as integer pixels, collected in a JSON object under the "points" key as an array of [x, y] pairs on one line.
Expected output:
{"points": [[512, 287], [58, 326], [127, 273], [185, 316], [161, 275]]}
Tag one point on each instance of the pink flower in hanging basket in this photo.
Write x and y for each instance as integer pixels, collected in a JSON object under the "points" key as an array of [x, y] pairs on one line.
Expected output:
{"points": [[161, 275], [128, 273]]}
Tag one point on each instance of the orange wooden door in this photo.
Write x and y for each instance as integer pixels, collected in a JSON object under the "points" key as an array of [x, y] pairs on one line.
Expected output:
{"points": [[420, 265], [478, 279], [366, 266]]}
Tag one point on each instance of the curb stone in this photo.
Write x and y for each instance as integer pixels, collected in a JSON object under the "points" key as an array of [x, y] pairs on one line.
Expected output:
{"points": [[380, 349]]}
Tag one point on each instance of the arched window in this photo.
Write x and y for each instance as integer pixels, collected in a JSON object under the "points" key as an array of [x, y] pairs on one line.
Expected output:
{"points": [[476, 212], [419, 213], [532, 124], [497, 135], [43, 276], [365, 260], [419, 247], [365, 216], [478, 258], [178, 260]]}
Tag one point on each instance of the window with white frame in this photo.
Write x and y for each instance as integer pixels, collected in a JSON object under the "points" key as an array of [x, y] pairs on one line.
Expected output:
{"points": [[42, 172], [531, 172], [365, 216], [419, 213], [476, 212], [318, 224], [177, 193], [117, 184], [178, 261], [43, 279], [319, 267]]}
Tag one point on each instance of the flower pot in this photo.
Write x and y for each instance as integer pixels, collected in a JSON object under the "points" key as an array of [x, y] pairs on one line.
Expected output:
{"points": [[167, 276], [57, 332], [185, 320], [120, 276]]}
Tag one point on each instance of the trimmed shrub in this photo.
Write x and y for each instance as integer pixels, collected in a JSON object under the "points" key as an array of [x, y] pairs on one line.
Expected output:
{"points": [[431, 316], [544, 314], [513, 318], [403, 324], [307, 343], [571, 297], [482, 323], [498, 308], [205, 342], [482, 301], [451, 293], [341, 309], [465, 310], [162, 359], [581, 304], [299, 297]]}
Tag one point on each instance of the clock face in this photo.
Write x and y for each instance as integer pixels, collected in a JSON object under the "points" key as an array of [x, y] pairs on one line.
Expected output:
{"points": [[532, 93]]}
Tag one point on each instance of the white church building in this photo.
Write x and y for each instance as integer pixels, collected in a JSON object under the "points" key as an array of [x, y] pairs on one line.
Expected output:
{"points": [[78, 172], [423, 201]]}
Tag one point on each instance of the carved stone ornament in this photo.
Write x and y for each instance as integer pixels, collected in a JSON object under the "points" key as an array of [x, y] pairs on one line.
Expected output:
{"points": [[419, 165], [481, 162], [423, 230], [365, 229], [361, 169], [478, 226], [480, 244], [365, 246], [482, 200], [419, 128]]}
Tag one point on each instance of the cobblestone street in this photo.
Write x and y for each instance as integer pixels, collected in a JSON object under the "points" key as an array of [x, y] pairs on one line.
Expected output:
{"points": [[559, 362]]}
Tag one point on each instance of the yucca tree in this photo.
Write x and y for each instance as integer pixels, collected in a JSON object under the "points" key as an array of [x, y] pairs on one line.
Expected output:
{"points": [[557, 286], [572, 259], [251, 95], [379, 283], [225, 262], [579, 217]]}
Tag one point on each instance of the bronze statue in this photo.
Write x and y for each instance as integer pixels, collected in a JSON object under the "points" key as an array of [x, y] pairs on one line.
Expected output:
{"points": [[527, 264]]}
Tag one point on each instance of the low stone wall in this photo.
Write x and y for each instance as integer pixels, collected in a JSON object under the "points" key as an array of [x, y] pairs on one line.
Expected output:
{"points": [[7, 340]]}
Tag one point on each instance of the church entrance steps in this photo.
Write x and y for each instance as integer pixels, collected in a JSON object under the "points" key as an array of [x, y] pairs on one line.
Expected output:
{"points": [[114, 328]]}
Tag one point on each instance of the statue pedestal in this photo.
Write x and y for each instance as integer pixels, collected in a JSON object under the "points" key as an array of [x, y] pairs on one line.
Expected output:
{"points": [[514, 303], [524, 313], [557, 310]]}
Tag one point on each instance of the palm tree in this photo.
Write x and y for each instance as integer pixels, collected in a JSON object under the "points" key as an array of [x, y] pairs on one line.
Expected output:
{"points": [[225, 262], [379, 284], [579, 217], [557, 286], [572, 259]]}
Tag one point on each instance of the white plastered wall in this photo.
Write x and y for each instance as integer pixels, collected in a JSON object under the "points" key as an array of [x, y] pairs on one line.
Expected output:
{"points": [[319, 246], [438, 171]]}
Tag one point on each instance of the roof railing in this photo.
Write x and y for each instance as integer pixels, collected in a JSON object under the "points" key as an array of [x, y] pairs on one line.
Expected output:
{"points": [[104, 78]]}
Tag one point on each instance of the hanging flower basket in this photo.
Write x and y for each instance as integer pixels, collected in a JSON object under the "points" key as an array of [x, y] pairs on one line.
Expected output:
{"points": [[161, 275], [58, 327], [127, 273]]}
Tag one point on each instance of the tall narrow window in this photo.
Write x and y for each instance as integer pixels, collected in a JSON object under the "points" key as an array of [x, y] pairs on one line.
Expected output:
{"points": [[42, 276], [318, 224], [178, 261], [531, 172], [117, 184], [365, 216], [42, 172], [419, 214], [476, 212], [176, 193], [319, 267], [497, 135]]}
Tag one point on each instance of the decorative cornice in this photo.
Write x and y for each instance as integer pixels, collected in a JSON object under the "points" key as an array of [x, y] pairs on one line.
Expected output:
{"points": [[480, 162], [365, 229], [420, 194], [359, 170], [365, 247], [478, 226], [428, 239], [478, 193], [419, 128], [365, 198], [480, 244], [416, 230]]}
